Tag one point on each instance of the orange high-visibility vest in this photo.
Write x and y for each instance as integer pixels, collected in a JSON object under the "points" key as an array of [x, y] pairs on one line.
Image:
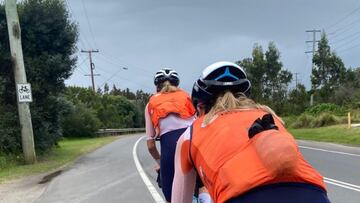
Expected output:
{"points": [[230, 164], [162, 104]]}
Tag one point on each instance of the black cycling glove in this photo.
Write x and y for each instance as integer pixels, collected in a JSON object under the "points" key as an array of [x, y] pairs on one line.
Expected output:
{"points": [[259, 125]]}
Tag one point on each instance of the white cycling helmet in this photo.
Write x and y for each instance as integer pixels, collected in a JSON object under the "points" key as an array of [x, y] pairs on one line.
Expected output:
{"points": [[166, 74], [217, 78]]}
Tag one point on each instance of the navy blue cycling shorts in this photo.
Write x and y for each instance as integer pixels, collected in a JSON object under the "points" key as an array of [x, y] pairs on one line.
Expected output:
{"points": [[168, 143], [283, 193]]}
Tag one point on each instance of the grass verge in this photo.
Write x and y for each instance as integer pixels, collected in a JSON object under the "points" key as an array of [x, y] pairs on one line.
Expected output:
{"points": [[335, 134], [65, 153]]}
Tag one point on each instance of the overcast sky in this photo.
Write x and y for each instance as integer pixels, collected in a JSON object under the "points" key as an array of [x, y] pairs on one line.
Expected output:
{"points": [[145, 35]]}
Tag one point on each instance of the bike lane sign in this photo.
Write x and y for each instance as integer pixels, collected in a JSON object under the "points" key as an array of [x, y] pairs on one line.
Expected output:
{"points": [[24, 92]]}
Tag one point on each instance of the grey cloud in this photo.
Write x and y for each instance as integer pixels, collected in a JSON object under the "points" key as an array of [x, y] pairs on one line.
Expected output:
{"points": [[189, 35]]}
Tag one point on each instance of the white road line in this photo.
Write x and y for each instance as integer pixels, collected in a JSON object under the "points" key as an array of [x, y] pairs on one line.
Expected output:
{"points": [[157, 197], [333, 181], [330, 151], [342, 184]]}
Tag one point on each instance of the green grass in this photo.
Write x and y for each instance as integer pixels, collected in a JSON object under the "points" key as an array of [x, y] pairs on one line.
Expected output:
{"points": [[62, 155], [335, 134]]}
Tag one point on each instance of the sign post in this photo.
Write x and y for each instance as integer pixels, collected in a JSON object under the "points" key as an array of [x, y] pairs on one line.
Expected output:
{"points": [[23, 88]]}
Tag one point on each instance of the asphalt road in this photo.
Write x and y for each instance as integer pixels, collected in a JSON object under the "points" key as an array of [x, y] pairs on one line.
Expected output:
{"points": [[340, 165], [106, 175], [110, 174]]}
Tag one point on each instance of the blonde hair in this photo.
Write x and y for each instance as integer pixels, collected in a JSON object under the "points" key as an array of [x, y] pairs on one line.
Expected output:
{"points": [[229, 102], [167, 87]]}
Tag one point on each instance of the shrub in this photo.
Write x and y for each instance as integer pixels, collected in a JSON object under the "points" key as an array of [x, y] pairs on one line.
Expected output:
{"points": [[355, 116], [7, 160], [309, 121], [81, 122], [10, 139], [325, 119], [2, 161], [303, 121], [326, 108], [289, 120]]}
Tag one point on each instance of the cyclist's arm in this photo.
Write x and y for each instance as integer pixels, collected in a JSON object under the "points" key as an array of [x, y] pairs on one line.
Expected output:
{"points": [[184, 179], [150, 134], [149, 127]]}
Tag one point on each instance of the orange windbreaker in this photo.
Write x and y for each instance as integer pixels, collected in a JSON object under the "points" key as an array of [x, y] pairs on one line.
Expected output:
{"points": [[162, 104], [229, 163]]}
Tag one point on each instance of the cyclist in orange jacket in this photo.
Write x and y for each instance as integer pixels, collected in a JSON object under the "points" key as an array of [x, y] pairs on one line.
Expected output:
{"points": [[240, 149], [167, 115]]}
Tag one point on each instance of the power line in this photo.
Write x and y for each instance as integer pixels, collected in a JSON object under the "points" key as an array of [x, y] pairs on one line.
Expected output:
{"points": [[84, 59], [340, 33], [349, 40], [345, 38], [113, 75], [344, 28], [79, 66], [342, 19], [347, 49], [88, 22], [120, 60], [86, 44], [112, 62]]}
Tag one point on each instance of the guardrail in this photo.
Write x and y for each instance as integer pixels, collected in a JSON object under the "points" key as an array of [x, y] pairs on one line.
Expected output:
{"points": [[123, 131]]}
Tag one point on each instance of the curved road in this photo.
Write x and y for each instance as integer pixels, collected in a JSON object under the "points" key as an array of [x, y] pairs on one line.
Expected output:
{"points": [[109, 174]]}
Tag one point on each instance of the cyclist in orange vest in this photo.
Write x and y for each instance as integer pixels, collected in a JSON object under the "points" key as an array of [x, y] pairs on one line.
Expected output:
{"points": [[240, 149], [167, 115]]}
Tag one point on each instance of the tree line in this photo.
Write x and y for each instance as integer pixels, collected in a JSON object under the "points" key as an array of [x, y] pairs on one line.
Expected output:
{"points": [[331, 81], [89, 110]]}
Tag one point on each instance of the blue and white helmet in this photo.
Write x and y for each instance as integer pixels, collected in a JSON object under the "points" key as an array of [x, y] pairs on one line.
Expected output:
{"points": [[217, 78], [166, 74]]}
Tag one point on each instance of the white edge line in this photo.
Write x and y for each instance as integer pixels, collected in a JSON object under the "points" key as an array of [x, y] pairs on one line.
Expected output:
{"points": [[324, 150], [340, 182], [340, 185], [154, 193]]}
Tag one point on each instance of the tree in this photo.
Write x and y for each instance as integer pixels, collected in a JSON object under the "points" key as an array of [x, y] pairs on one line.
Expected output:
{"points": [[255, 69], [348, 93], [113, 111], [80, 122], [269, 80], [48, 41], [328, 73], [298, 100], [106, 88], [277, 79], [115, 91]]}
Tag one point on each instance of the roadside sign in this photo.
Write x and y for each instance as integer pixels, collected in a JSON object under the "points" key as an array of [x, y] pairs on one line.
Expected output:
{"points": [[24, 92]]}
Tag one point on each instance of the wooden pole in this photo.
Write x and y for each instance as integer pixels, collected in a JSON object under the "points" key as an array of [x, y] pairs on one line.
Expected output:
{"points": [[20, 78], [349, 120]]}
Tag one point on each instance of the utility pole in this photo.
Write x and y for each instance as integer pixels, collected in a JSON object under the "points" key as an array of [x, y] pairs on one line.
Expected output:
{"points": [[17, 59], [314, 41], [92, 66], [296, 80]]}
